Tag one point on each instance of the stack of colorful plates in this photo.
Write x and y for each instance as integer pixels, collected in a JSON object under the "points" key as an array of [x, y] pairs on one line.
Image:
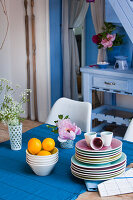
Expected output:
{"points": [[98, 171], [86, 154], [102, 164]]}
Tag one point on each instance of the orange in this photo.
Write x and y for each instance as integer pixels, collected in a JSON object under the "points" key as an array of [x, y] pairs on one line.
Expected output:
{"points": [[48, 144], [34, 146], [43, 153]]}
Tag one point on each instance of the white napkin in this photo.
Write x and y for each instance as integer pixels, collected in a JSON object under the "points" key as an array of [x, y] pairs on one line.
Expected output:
{"points": [[120, 185]]}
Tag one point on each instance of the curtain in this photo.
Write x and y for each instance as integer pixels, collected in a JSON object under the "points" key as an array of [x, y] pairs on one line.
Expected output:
{"points": [[98, 16], [73, 15], [13, 57], [41, 10]]}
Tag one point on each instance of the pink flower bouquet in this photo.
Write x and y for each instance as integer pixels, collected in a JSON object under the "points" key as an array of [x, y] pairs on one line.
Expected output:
{"points": [[107, 39], [65, 128]]}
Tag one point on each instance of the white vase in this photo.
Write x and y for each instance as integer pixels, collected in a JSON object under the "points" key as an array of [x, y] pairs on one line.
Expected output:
{"points": [[15, 133], [129, 133]]}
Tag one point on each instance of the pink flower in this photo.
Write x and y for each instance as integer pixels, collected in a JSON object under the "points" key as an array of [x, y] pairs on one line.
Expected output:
{"points": [[67, 130], [111, 37], [108, 41], [77, 130], [96, 38]]}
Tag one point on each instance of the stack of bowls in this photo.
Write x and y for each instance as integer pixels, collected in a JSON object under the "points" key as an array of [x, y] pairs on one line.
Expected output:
{"points": [[42, 165]]}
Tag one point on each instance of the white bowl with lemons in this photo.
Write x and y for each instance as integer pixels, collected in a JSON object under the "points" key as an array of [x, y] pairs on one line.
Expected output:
{"points": [[42, 157]]}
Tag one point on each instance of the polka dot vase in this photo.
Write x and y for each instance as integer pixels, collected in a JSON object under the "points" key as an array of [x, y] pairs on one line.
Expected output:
{"points": [[15, 133]]}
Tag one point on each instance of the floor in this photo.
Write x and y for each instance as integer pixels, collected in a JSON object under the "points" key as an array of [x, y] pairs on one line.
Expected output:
{"points": [[27, 125]]}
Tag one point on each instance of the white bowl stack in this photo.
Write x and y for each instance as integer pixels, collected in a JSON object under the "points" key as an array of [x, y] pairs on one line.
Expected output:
{"points": [[42, 165]]}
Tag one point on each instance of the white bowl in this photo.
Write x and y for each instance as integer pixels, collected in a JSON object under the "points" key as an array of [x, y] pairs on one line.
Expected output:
{"points": [[41, 163], [41, 170], [42, 157]]}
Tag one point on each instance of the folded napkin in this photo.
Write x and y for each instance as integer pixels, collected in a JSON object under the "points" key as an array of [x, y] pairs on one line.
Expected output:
{"points": [[92, 186], [120, 185]]}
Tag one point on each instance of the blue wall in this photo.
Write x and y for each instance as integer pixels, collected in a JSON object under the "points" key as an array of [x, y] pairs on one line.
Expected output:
{"points": [[91, 49], [55, 50]]}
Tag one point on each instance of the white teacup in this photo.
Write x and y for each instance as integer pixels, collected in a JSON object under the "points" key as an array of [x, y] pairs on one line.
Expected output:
{"points": [[89, 136], [107, 137], [96, 143]]}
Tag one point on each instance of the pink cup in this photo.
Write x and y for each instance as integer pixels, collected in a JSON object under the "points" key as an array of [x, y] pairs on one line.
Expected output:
{"points": [[96, 143]]}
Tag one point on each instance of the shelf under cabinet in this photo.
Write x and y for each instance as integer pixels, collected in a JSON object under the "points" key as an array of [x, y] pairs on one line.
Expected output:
{"points": [[112, 114]]}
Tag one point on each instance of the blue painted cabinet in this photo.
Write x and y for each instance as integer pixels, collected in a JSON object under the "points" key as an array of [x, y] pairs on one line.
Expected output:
{"points": [[108, 81]]}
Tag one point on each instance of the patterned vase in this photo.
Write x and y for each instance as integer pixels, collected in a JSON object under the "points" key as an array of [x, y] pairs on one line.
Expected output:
{"points": [[67, 145], [15, 133]]}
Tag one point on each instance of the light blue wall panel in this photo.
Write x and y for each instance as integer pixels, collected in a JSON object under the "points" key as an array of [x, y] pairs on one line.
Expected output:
{"points": [[110, 13], [55, 49]]}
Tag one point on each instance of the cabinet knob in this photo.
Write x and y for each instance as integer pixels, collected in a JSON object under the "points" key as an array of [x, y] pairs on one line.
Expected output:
{"points": [[109, 83]]}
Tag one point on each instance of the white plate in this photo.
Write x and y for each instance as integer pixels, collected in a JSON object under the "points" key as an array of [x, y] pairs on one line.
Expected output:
{"points": [[97, 158], [110, 173], [97, 161], [91, 155], [98, 166], [98, 171], [97, 179]]}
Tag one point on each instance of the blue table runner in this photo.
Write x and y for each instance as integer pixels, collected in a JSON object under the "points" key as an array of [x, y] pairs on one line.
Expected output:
{"points": [[18, 181]]}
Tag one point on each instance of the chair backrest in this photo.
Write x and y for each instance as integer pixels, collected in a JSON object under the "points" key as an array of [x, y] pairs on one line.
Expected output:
{"points": [[129, 133], [79, 112]]}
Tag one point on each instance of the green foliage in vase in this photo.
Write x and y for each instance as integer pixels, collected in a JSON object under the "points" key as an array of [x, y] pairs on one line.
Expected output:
{"points": [[10, 108], [55, 128], [107, 39]]}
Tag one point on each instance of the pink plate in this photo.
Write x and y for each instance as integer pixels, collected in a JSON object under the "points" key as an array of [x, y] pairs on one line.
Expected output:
{"points": [[82, 145]]}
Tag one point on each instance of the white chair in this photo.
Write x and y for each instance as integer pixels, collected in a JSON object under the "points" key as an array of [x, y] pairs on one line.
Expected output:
{"points": [[129, 133], [79, 112]]}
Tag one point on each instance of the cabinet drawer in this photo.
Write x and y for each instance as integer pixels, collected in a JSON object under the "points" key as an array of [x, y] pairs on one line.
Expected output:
{"points": [[114, 84]]}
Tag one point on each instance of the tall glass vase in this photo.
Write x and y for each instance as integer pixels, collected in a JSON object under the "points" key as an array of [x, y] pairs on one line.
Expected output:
{"points": [[102, 55], [102, 59]]}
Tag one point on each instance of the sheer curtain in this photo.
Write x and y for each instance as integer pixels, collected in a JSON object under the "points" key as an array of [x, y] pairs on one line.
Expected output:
{"points": [[73, 15], [98, 16]]}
